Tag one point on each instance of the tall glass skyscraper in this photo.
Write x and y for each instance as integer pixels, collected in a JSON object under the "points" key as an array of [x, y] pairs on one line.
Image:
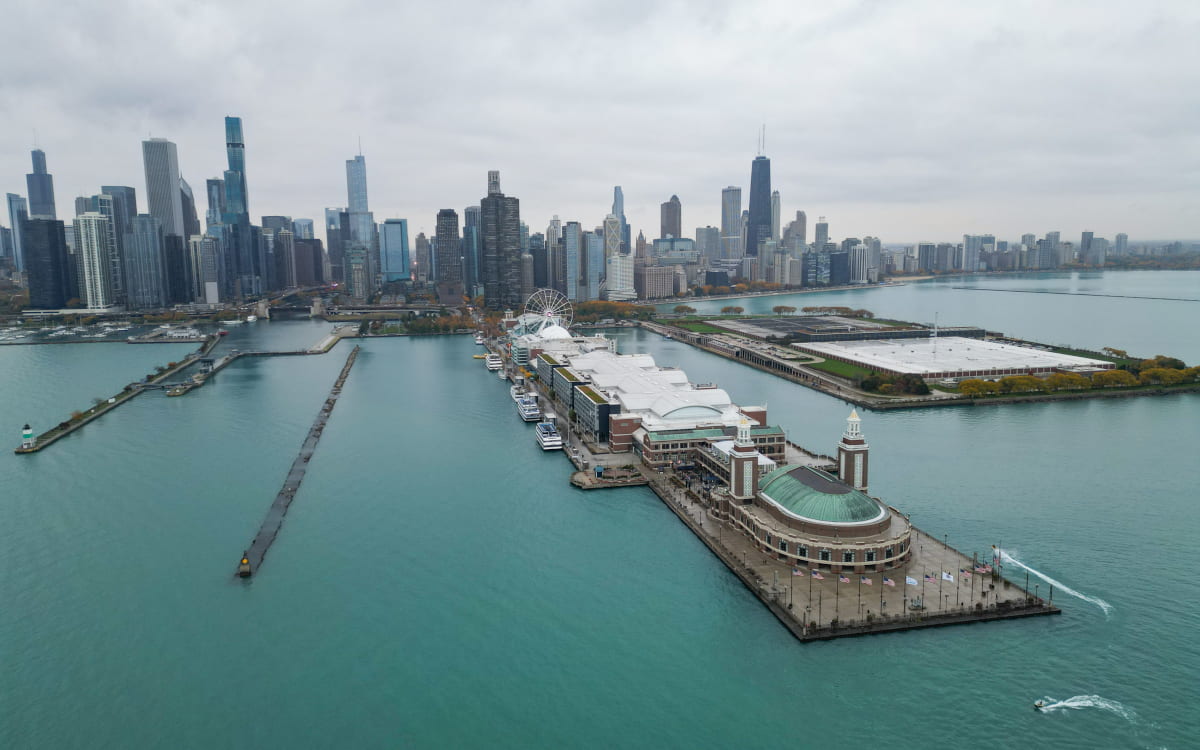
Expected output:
{"points": [[146, 266], [41, 188], [500, 246], [393, 250], [731, 222], [18, 213], [46, 266], [237, 198], [758, 228]]}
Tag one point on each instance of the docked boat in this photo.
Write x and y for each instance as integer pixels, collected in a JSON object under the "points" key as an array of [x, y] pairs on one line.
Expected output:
{"points": [[479, 340], [517, 392], [548, 437], [493, 362], [251, 318], [502, 374], [529, 410]]}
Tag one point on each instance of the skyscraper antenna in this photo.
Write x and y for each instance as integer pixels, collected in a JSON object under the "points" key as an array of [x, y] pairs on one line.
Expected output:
{"points": [[360, 145]]}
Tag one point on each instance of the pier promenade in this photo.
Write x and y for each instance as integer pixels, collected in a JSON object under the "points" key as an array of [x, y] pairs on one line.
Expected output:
{"points": [[253, 556]]}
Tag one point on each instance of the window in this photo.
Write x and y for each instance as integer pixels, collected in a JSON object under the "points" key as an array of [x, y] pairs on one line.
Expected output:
{"points": [[848, 556], [782, 546], [826, 555], [801, 550], [888, 551], [870, 555]]}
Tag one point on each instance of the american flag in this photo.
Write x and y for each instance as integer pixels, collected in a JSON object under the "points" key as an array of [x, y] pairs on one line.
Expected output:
{"points": [[928, 578], [817, 574], [981, 569], [889, 582], [964, 573], [797, 572], [866, 580], [843, 579]]}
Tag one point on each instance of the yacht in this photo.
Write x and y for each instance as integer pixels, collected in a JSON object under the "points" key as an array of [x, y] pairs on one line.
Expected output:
{"points": [[479, 339], [493, 362], [528, 409], [548, 437], [251, 318], [517, 392]]}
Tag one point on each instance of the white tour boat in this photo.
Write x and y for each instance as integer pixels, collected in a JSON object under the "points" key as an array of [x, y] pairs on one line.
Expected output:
{"points": [[529, 410], [493, 362], [548, 437]]}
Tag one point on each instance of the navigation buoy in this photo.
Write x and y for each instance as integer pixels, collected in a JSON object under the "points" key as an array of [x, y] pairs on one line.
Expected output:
{"points": [[244, 566], [27, 439]]}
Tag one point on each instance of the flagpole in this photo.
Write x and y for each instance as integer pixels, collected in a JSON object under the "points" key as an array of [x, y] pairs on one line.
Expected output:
{"points": [[860, 597], [837, 597], [820, 597], [941, 601], [957, 601]]}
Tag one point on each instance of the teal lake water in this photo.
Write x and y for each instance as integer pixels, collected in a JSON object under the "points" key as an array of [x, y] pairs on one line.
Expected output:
{"points": [[437, 582]]}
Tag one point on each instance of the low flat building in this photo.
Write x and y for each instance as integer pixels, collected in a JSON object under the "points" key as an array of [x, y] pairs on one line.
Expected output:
{"points": [[950, 357]]}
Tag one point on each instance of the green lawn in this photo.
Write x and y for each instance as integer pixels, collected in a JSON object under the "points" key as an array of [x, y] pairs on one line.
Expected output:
{"points": [[699, 327], [841, 369]]}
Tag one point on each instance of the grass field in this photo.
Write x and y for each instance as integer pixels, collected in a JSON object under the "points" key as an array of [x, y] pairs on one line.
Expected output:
{"points": [[697, 326], [841, 369]]}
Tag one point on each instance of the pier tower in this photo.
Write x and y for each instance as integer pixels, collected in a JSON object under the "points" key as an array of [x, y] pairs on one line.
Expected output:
{"points": [[852, 454], [27, 438], [743, 465]]}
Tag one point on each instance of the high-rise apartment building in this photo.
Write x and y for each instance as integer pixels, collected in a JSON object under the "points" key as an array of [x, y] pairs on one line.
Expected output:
{"points": [[41, 188], [448, 269], [775, 215], [93, 232], [215, 188], [731, 222], [500, 243], [671, 218], [618, 210], [758, 228], [573, 251], [1121, 245], [820, 233], [237, 196], [708, 242], [1085, 248], [303, 229]]}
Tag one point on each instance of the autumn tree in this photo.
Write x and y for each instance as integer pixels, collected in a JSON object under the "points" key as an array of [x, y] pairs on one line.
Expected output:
{"points": [[684, 309], [1113, 379]]}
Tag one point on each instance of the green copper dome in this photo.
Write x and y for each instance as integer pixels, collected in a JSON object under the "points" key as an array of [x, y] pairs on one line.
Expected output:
{"points": [[808, 493]]}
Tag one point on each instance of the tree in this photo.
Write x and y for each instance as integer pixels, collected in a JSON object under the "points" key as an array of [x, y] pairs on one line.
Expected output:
{"points": [[732, 310], [977, 387], [684, 309], [1066, 381], [1118, 353], [783, 309], [1021, 384], [1113, 379]]}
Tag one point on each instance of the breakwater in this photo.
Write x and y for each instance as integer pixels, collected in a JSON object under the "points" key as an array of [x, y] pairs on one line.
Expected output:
{"points": [[253, 556]]}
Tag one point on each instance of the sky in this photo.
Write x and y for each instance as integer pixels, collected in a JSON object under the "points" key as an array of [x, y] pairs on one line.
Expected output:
{"points": [[906, 120]]}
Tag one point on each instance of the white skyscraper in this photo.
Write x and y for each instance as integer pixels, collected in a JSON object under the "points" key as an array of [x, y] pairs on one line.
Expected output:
{"points": [[163, 198], [94, 235], [775, 215]]}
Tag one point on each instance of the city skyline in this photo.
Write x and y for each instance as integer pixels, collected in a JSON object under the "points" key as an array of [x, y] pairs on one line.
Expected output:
{"points": [[1003, 121]]}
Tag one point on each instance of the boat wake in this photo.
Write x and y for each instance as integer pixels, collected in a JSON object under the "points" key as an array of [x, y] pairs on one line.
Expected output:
{"points": [[1088, 701], [1103, 605]]}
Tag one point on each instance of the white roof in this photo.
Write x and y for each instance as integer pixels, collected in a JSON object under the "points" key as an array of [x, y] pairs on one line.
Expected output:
{"points": [[954, 354]]}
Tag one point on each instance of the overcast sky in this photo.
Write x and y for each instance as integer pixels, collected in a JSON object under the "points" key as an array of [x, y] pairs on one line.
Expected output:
{"points": [[903, 120]]}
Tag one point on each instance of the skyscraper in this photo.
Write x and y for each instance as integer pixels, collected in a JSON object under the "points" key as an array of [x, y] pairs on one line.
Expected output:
{"points": [[145, 269], [449, 255], [163, 198], [362, 222], [775, 215], [94, 235], [303, 229], [820, 234], [237, 195], [708, 242], [612, 235], [758, 229], [191, 221], [500, 243], [393, 250], [731, 222], [573, 251], [215, 188], [41, 188], [472, 262], [672, 218], [46, 263], [18, 212], [618, 210], [1085, 247], [421, 247], [337, 235]]}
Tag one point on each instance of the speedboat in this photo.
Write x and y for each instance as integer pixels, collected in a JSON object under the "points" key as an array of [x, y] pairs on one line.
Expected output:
{"points": [[479, 340], [548, 436], [251, 318], [1039, 705]]}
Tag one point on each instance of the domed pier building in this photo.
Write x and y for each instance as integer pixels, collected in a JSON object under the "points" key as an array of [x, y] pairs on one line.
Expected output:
{"points": [[808, 517]]}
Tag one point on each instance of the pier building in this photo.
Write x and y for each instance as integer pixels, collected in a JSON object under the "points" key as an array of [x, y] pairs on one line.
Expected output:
{"points": [[807, 517]]}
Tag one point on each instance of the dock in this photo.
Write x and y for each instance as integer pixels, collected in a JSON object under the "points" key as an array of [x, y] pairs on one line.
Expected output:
{"points": [[252, 558], [798, 601]]}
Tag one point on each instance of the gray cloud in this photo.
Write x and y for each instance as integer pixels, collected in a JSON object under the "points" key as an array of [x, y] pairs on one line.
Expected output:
{"points": [[907, 120]]}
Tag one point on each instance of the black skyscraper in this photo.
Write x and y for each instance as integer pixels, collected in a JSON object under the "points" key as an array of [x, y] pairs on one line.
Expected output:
{"points": [[41, 188], [758, 228], [46, 263], [500, 237]]}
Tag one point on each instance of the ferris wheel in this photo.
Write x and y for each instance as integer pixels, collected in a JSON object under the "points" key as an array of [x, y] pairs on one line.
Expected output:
{"points": [[551, 305]]}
